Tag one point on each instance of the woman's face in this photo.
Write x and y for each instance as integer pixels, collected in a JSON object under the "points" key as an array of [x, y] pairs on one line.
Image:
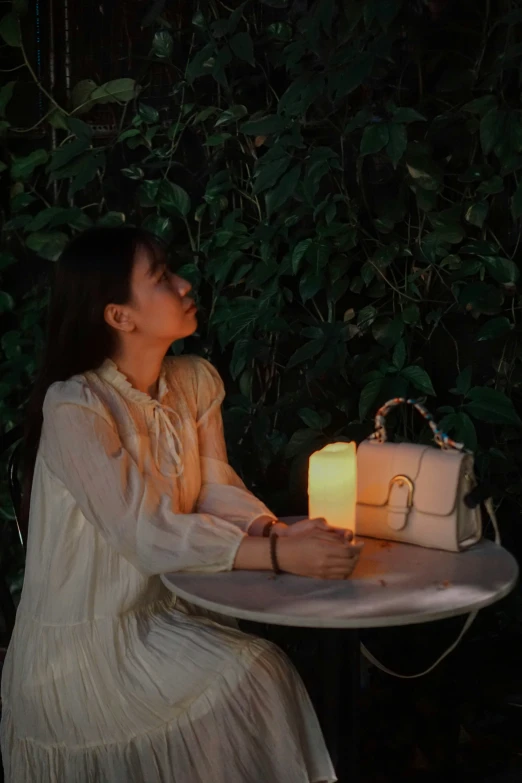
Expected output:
{"points": [[160, 308]]}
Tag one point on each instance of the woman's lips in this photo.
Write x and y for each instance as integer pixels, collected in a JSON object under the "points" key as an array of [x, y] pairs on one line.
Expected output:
{"points": [[191, 309]]}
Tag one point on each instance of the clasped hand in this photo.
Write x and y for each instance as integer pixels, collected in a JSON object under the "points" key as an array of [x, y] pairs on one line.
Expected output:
{"points": [[316, 549]]}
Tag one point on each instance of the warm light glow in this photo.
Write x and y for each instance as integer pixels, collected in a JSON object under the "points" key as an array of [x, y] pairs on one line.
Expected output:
{"points": [[332, 485]]}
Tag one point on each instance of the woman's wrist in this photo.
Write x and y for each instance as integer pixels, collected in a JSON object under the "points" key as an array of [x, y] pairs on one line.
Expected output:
{"points": [[265, 526]]}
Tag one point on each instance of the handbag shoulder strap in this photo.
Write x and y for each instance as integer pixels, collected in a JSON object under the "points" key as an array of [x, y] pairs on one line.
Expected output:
{"points": [[488, 505], [372, 659]]}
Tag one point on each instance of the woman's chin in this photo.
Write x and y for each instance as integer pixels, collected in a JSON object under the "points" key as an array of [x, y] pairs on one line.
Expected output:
{"points": [[191, 324]]}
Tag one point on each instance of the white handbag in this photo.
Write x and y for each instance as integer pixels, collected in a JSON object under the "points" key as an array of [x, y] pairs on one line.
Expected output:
{"points": [[416, 494]]}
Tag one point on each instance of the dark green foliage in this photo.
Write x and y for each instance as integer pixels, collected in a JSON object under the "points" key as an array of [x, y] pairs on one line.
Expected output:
{"points": [[342, 186]]}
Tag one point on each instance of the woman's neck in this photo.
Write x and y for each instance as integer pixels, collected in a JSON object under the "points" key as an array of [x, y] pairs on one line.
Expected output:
{"points": [[142, 371]]}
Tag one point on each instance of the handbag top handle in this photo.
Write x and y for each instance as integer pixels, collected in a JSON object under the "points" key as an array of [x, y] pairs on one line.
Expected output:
{"points": [[440, 438]]}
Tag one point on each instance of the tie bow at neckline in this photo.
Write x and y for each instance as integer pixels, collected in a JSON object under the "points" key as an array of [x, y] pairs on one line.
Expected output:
{"points": [[163, 426]]}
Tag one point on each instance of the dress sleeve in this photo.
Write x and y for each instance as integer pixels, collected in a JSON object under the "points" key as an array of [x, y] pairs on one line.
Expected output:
{"points": [[82, 448], [222, 491]]}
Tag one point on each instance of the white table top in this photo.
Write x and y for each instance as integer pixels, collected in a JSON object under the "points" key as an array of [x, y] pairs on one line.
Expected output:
{"points": [[393, 584]]}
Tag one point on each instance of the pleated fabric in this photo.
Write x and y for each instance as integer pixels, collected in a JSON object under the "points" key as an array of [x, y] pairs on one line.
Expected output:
{"points": [[109, 676]]}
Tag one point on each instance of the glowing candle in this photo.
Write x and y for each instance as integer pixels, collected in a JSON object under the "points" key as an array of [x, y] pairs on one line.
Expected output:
{"points": [[332, 485]]}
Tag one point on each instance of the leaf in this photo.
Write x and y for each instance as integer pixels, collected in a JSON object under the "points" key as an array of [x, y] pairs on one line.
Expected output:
{"points": [[6, 93], [286, 187], [88, 170], [366, 317], [418, 378], [311, 418], [383, 257], [477, 213], [240, 357], [298, 253], [233, 114], [491, 186], [352, 76], [280, 31], [399, 355], [426, 173], [63, 155], [10, 30], [80, 128], [216, 139], [374, 138], [306, 351], [503, 270], [162, 45], [115, 91], [81, 96], [149, 114], [397, 143], [6, 302], [20, 7], [407, 115], [386, 11], [133, 172], [173, 198], [111, 219], [496, 327], [160, 226], [481, 105], [268, 172], [310, 284], [148, 192], [490, 129], [369, 395], [22, 168], [21, 201], [411, 315], [153, 13], [71, 216], [47, 244], [265, 126], [387, 332], [43, 218], [465, 431], [491, 406], [516, 202], [302, 442], [6, 259], [481, 298], [463, 382], [242, 46]]}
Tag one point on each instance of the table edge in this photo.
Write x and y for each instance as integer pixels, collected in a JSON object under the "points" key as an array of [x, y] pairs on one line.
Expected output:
{"points": [[369, 622]]}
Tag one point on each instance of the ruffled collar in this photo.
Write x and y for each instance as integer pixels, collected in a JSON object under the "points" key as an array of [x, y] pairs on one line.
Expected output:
{"points": [[165, 426], [109, 371]]}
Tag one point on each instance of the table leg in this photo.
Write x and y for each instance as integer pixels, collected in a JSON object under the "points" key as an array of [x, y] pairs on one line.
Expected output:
{"points": [[338, 709]]}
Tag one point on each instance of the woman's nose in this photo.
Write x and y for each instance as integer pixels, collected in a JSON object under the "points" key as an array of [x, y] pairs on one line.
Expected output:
{"points": [[182, 285]]}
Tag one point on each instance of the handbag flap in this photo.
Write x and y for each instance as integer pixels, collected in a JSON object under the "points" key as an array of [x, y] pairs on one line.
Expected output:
{"points": [[434, 474]]}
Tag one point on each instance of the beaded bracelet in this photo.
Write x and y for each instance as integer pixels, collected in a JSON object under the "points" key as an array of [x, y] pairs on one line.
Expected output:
{"points": [[273, 555]]}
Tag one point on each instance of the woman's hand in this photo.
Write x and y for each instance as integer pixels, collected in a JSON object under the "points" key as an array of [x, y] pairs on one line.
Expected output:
{"points": [[318, 552], [309, 525]]}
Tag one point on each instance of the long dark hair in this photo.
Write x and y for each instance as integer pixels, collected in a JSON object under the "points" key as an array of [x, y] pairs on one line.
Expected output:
{"points": [[93, 271]]}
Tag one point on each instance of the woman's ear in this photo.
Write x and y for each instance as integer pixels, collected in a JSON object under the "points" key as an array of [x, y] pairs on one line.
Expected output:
{"points": [[119, 318]]}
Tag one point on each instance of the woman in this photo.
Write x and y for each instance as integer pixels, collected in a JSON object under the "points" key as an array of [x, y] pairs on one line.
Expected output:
{"points": [[109, 677]]}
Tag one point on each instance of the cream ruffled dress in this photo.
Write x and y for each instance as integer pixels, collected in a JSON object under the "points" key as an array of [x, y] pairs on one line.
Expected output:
{"points": [[109, 678]]}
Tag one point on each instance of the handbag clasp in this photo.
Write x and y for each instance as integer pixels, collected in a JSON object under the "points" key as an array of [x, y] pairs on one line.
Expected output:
{"points": [[401, 481], [398, 511]]}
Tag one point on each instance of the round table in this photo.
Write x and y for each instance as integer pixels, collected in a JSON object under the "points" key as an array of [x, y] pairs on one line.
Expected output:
{"points": [[393, 584]]}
